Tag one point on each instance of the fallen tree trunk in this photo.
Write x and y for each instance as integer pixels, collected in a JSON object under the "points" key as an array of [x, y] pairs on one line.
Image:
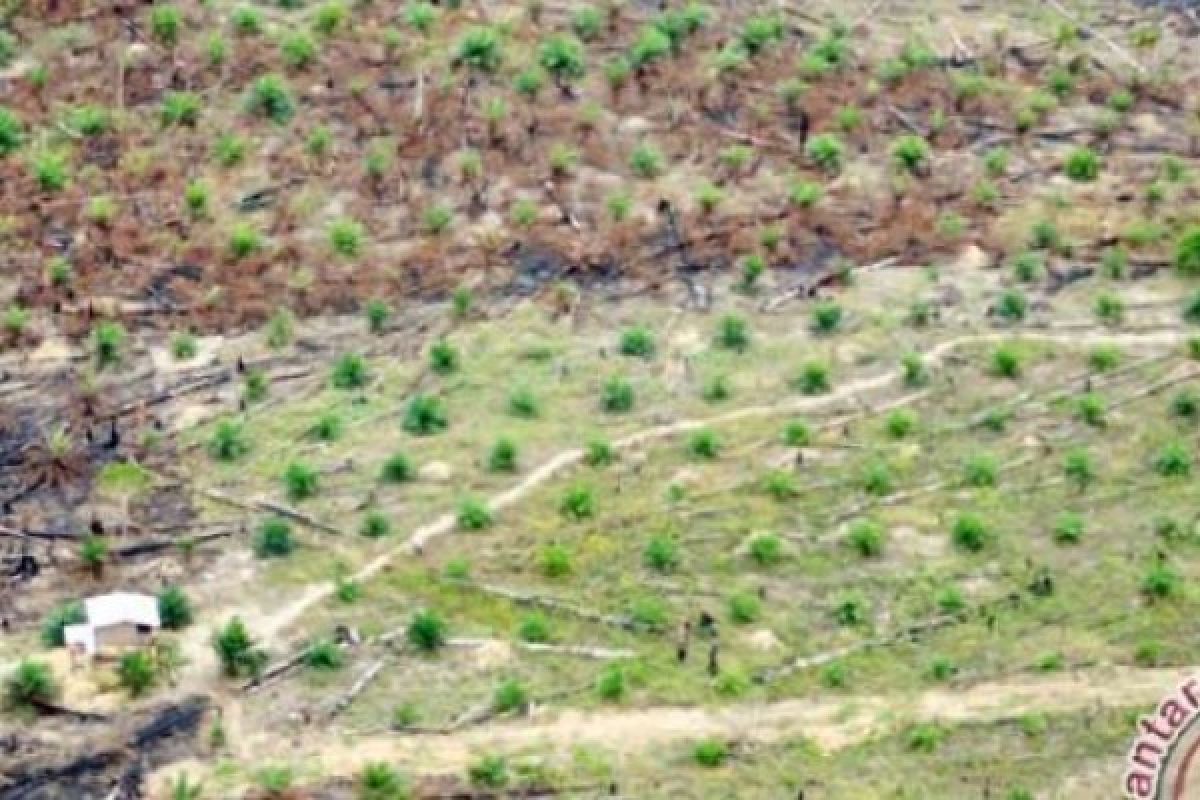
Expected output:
{"points": [[56, 710], [551, 604], [342, 703], [159, 545], [820, 659], [583, 651], [274, 508]]}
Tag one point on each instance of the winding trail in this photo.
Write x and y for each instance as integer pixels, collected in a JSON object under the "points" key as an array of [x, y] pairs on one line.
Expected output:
{"points": [[274, 624], [832, 723]]}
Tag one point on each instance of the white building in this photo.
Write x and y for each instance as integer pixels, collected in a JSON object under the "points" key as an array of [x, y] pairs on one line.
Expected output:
{"points": [[115, 622]]}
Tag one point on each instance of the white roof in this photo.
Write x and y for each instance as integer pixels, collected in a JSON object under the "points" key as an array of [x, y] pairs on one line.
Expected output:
{"points": [[82, 635], [122, 607]]}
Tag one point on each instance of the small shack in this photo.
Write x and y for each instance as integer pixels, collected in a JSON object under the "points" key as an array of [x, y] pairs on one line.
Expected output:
{"points": [[115, 622]]}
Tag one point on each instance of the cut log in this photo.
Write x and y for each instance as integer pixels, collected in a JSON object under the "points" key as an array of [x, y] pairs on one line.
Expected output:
{"points": [[342, 703], [582, 651]]}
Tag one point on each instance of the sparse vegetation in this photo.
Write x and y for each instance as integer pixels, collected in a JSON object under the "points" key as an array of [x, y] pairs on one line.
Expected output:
{"points": [[781, 362]]}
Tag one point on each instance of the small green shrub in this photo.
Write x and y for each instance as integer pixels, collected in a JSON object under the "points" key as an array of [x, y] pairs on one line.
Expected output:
{"points": [[753, 268], [1082, 165], [228, 442], [914, 371], [813, 378], [346, 237], [330, 17], [970, 532], [1104, 358], [805, 194], [1092, 408], [474, 514], [12, 132], [62, 615], [1174, 460], [851, 608], [911, 154], [378, 314], [244, 241], [324, 655], [427, 631], [534, 627], [646, 161], [269, 97], [29, 684], [247, 21], [716, 390], [766, 549], [298, 50], [522, 402], [490, 771], [610, 686], [980, 471], [1161, 582], [995, 162], [826, 317], [1012, 305], [826, 151], [781, 485], [617, 395], [554, 561], [732, 333], [380, 781], [274, 539], [165, 23], [174, 608], [900, 423], [425, 415], [444, 358], [661, 554], [397, 469], [578, 502], [925, 737], [1185, 405], [300, 481], [797, 433], [503, 456], [375, 525], [1006, 362], [1078, 468], [704, 444], [942, 669], [599, 452], [877, 479], [866, 538], [480, 49], [710, 753], [950, 600], [327, 428], [1187, 252], [1068, 528], [108, 340], [349, 372], [237, 651]]}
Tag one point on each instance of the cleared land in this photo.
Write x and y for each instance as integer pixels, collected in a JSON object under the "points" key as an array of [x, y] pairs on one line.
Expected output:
{"points": [[598, 401]]}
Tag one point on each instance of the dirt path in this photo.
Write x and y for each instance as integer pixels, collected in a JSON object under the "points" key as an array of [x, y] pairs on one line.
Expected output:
{"points": [[832, 723], [283, 618]]}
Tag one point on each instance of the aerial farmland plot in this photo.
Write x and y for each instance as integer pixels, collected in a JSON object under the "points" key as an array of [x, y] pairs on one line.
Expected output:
{"points": [[626, 399]]}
